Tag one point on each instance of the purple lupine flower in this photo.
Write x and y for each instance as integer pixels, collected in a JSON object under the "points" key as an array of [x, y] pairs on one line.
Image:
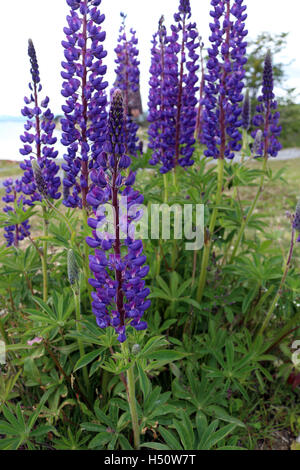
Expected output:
{"points": [[267, 118], [246, 111], [224, 79], [172, 96], [14, 233], [296, 220], [120, 293], [38, 141], [83, 125], [199, 120], [128, 80]]}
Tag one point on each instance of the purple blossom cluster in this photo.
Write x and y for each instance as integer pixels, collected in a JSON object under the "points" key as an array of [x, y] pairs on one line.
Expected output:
{"points": [[120, 294], [14, 233], [224, 79], [172, 95], [38, 140], [128, 79], [199, 120], [83, 125], [267, 118]]}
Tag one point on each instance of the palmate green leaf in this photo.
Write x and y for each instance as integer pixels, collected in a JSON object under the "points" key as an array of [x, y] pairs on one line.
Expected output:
{"points": [[124, 443], [86, 359], [6, 428], [169, 438], [152, 400], [152, 344], [156, 446], [216, 437], [164, 286], [10, 443], [229, 350], [219, 413], [253, 291], [42, 430], [166, 355], [93, 427], [145, 383], [185, 431], [100, 440], [159, 294]]}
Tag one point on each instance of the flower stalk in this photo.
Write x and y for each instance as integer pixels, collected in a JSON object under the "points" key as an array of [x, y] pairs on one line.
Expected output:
{"points": [[132, 399], [208, 241], [280, 289]]}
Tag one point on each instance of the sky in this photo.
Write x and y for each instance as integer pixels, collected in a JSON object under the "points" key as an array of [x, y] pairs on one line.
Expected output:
{"points": [[44, 20]]}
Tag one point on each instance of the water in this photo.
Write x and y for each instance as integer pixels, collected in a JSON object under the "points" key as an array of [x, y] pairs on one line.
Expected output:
{"points": [[10, 130]]}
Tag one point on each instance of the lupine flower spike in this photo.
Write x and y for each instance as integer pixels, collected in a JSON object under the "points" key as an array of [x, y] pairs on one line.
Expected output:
{"points": [[14, 233], [83, 125], [128, 80], [38, 138], [267, 118], [224, 79], [172, 96], [246, 111], [120, 293], [199, 121]]}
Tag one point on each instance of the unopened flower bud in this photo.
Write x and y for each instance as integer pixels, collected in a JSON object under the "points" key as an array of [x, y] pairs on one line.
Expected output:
{"points": [[73, 268], [136, 348], [38, 178]]}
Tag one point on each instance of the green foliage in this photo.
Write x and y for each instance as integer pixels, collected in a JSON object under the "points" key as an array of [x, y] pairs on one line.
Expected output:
{"points": [[203, 378]]}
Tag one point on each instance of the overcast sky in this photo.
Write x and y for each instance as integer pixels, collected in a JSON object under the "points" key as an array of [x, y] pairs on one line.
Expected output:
{"points": [[43, 21]]}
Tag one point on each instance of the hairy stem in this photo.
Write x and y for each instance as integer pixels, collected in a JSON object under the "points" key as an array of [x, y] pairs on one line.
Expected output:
{"points": [[45, 256], [132, 400], [76, 292], [279, 292], [250, 212], [208, 241]]}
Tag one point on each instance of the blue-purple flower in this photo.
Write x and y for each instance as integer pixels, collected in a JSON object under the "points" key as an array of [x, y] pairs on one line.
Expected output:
{"points": [[267, 118], [172, 96], [14, 233], [38, 140], [120, 296], [128, 80], [224, 79], [83, 125]]}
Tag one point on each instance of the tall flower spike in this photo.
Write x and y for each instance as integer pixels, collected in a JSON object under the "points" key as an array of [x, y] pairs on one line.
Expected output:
{"points": [[14, 233], [172, 96], [120, 294], [224, 79], [83, 125], [38, 138], [128, 80], [246, 111], [267, 118], [199, 121]]}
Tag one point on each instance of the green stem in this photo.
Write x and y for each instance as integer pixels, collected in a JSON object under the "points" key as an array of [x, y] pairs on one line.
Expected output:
{"points": [[132, 400], [207, 245], [86, 254], [250, 212], [279, 292], [175, 177], [166, 195], [45, 256], [70, 228], [80, 344]]}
